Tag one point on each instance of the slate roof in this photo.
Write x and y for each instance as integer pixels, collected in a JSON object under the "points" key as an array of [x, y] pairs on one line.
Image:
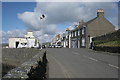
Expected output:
{"points": [[85, 23]]}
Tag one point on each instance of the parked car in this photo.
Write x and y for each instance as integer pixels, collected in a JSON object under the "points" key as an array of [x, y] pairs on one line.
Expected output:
{"points": [[49, 46], [53, 46], [58, 46], [43, 46]]}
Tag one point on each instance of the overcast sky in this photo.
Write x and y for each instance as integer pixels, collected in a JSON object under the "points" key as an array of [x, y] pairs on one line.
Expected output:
{"points": [[18, 17]]}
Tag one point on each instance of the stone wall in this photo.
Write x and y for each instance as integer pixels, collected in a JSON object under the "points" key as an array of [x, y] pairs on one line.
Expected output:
{"points": [[12, 58], [109, 42], [21, 72]]}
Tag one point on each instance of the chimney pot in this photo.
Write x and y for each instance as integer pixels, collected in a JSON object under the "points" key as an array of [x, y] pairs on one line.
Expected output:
{"points": [[100, 10], [81, 22], [100, 13]]}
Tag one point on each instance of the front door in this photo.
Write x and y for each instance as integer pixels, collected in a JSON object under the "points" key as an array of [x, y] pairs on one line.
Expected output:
{"points": [[17, 44]]}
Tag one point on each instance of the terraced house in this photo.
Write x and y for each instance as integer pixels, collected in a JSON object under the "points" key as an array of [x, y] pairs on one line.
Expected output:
{"points": [[82, 35]]}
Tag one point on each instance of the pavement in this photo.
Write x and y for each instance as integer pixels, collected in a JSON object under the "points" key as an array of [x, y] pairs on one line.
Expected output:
{"points": [[81, 63]]}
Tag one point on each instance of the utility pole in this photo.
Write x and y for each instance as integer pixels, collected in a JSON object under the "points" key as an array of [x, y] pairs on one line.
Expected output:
{"points": [[41, 18]]}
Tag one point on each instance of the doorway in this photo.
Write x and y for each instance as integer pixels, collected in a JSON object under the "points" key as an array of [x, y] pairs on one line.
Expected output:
{"points": [[17, 43]]}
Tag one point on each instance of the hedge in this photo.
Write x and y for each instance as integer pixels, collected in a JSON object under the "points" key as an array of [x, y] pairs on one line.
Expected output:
{"points": [[115, 36], [108, 42]]}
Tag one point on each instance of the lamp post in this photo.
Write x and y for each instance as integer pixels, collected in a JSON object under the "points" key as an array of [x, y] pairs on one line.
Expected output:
{"points": [[41, 18]]}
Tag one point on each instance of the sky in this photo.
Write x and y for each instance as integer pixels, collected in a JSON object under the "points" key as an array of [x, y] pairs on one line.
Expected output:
{"points": [[18, 17]]}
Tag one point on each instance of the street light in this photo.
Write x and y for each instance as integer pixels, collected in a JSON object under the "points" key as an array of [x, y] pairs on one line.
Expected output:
{"points": [[41, 18]]}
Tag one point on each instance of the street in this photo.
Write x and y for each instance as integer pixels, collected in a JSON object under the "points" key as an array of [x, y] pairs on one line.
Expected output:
{"points": [[81, 63]]}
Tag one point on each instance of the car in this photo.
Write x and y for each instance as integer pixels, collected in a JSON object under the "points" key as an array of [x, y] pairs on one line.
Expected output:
{"points": [[58, 46], [52, 46]]}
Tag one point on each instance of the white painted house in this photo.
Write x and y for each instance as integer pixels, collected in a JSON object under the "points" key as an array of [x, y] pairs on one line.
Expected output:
{"points": [[28, 41]]}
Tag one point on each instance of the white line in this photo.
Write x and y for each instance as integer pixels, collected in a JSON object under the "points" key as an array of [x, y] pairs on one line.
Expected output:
{"points": [[66, 73], [93, 59], [76, 53], [90, 58], [97, 60], [113, 66]]}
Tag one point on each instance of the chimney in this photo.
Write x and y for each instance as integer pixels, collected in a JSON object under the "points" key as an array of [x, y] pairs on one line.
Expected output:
{"points": [[100, 13], [81, 22]]}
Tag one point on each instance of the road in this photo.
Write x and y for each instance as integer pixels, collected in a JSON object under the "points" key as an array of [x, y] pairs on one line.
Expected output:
{"points": [[81, 63]]}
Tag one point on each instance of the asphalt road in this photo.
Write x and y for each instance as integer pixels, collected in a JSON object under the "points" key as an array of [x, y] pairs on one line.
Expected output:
{"points": [[81, 63]]}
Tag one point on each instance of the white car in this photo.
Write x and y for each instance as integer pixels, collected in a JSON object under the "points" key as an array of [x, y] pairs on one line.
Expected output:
{"points": [[58, 46]]}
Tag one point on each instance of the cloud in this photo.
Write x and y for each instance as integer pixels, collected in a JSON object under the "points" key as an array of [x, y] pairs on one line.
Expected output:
{"points": [[30, 19], [65, 13], [33, 22], [5, 35], [60, 0], [77, 0]]}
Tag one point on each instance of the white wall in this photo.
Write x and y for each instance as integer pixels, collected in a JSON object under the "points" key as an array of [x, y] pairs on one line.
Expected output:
{"points": [[69, 40], [30, 42], [12, 42]]}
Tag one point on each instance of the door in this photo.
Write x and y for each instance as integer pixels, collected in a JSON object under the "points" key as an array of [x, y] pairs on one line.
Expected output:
{"points": [[17, 44]]}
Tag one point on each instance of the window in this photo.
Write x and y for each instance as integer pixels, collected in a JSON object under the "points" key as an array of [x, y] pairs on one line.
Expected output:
{"points": [[83, 41], [84, 25], [83, 31], [66, 36], [71, 34], [75, 33], [78, 32], [66, 42]]}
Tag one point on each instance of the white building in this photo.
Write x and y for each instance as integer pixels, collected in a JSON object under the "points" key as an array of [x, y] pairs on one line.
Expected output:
{"points": [[56, 40], [27, 41]]}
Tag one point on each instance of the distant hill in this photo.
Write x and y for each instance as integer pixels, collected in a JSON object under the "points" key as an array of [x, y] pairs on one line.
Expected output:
{"points": [[4, 44], [47, 43]]}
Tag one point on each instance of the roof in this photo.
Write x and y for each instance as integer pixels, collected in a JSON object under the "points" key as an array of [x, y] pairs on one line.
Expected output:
{"points": [[86, 23], [89, 21]]}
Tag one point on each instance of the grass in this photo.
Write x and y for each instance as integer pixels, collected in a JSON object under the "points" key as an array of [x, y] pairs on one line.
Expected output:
{"points": [[110, 44]]}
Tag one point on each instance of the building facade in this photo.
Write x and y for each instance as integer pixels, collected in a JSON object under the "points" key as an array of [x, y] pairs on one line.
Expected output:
{"points": [[82, 35], [28, 41], [56, 40]]}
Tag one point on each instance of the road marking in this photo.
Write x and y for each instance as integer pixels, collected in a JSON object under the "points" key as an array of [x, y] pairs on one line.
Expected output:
{"points": [[66, 73], [76, 53], [93, 59], [97, 60], [90, 58], [113, 66]]}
